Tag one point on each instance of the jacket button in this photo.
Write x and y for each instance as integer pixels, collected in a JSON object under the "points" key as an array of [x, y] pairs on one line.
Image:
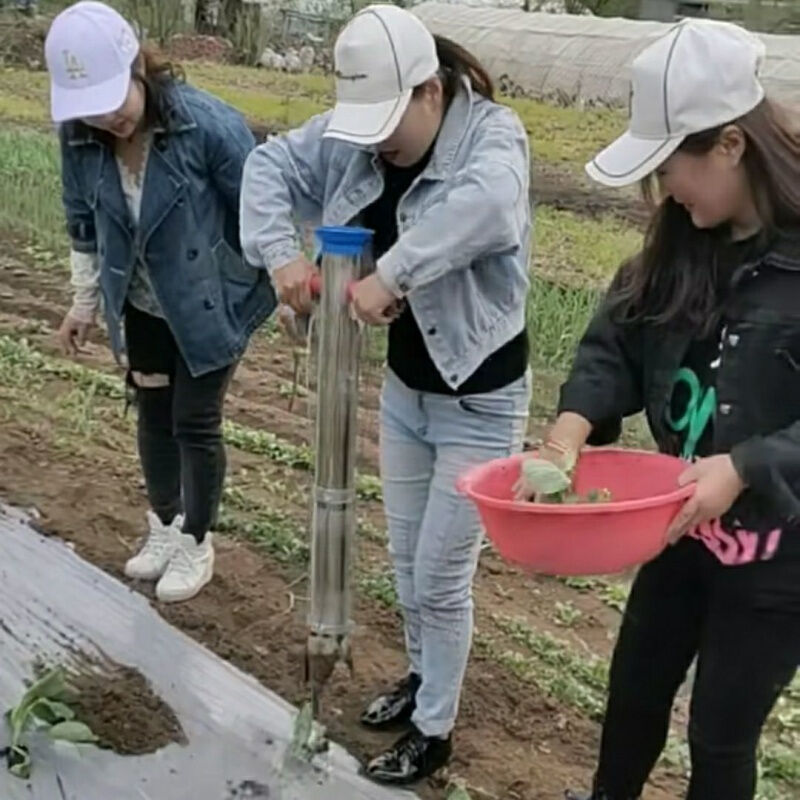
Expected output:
{"points": [[191, 254], [725, 409], [432, 331], [454, 379], [208, 304], [733, 340], [403, 217], [402, 286]]}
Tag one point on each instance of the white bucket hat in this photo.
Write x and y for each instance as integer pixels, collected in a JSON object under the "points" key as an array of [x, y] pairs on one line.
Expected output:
{"points": [[89, 51], [700, 75], [380, 56]]}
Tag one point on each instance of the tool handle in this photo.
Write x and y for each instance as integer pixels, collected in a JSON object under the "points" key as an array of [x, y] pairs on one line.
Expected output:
{"points": [[315, 287]]}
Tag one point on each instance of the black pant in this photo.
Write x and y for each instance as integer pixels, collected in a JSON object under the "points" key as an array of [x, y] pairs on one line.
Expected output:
{"points": [[180, 425], [743, 624]]}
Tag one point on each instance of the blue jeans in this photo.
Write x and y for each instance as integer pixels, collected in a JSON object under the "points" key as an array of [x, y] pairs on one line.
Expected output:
{"points": [[427, 441]]}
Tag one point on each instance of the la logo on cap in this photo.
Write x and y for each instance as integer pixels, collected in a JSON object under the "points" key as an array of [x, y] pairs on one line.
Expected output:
{"points": [[74, 66]]}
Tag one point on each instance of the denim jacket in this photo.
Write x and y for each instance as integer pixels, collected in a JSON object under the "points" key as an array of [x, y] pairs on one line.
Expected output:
{"points": [[188, 233], [464, 226]]}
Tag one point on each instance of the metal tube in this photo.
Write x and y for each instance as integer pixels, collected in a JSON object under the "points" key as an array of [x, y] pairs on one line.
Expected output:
{"points": [[334, 514], [334, 486]]}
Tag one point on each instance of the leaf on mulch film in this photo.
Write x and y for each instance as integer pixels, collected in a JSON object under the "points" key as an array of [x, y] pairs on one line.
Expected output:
{"points": [[72, 731], [52, 711]]}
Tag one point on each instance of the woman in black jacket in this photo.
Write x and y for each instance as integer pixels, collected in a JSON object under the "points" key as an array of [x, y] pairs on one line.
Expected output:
{"points": [[702, 332]]}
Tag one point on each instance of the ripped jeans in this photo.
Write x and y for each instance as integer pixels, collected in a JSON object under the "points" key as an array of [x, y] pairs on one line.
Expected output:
{"points": [[179, 425]]}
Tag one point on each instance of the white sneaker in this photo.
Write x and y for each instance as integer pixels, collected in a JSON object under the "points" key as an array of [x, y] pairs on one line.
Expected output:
{"points": [[190, 568], [152, 560]]}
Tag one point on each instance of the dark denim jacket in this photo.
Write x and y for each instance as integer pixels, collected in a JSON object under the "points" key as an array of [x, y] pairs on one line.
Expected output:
{"points": [[188, 233], [620, 370]]}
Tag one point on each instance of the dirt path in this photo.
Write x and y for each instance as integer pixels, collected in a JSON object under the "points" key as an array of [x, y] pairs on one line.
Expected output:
{"points": [[521, 735], [561, 188]]}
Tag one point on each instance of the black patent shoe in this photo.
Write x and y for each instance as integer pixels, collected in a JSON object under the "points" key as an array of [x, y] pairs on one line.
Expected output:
{"points": [[396, 706], [412, 759]]}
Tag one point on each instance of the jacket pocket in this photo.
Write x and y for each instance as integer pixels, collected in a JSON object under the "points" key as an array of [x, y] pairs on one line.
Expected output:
{"points": [[790, 356], [783, 342], [231, 265]]}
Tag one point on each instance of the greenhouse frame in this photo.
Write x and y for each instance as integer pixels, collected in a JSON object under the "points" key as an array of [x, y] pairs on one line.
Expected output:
{"points": [[581, 60]]}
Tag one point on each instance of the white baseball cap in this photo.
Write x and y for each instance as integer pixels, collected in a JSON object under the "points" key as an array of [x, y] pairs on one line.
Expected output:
{"points": [[89, 52], [700, 75], [381, 55]]}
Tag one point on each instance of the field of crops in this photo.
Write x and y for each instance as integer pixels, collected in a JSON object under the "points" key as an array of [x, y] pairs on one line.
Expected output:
{"points": [[534, 694]]}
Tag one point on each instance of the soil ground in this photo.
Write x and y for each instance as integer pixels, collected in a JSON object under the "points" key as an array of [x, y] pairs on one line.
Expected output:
{"points": [[119, 705], [517, 738], [561, 188]]}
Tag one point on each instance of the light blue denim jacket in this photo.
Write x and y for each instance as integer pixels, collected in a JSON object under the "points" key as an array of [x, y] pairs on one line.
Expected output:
{"points": [[188, 233], [464, 226]]}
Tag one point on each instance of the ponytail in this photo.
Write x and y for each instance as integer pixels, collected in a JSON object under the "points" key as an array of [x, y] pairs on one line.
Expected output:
{"points": [[455, 62]]}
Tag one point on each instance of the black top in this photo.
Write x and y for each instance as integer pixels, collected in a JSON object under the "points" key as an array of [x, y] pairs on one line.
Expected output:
{"points": [[620, 369], [408, 354], [702, 360]]}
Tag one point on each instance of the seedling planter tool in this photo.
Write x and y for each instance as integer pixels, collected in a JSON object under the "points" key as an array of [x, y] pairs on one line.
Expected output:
{"points": [[344, 254]]}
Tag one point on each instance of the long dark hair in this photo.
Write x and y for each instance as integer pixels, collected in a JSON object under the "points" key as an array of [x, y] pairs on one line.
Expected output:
{"points": [[674, 278], [157, 75], [454, 63]]}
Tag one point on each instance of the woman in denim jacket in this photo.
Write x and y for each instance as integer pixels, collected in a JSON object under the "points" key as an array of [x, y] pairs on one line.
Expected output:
{"points": [[417, 151], [151, 172]]}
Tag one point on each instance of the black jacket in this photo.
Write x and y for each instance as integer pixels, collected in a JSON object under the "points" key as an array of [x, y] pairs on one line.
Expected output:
{"points": [[620, 370]]}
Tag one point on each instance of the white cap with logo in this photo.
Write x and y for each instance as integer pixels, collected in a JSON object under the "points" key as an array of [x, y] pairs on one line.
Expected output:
{"points": [[381, 55], [698, 76], [89, 52]]}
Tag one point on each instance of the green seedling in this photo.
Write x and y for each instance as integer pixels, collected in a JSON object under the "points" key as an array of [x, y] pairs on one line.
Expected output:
{"points": [[546, 482], [308, 737], [459, 793], [43, 706], [544, 479]]}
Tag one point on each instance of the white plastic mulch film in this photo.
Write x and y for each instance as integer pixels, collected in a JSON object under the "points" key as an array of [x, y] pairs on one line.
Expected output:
{"points": [[578, 59], [53, 604]]}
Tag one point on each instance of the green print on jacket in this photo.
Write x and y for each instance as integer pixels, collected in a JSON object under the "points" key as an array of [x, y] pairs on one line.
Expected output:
{"points": [[698, 414]]}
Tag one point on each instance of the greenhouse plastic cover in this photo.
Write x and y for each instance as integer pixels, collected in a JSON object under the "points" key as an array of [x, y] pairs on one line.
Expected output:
{"points": [[579, 59], [51, 601]]}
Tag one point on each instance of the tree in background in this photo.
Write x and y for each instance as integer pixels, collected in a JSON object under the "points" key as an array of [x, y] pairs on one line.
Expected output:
{"points": [[600, 8]]}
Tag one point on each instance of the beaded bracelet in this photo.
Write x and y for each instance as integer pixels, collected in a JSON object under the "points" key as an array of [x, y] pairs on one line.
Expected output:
{"points": [[558, 447]]}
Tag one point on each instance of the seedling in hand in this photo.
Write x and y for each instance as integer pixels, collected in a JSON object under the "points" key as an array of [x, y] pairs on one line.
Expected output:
{"points": [[542, 481]]}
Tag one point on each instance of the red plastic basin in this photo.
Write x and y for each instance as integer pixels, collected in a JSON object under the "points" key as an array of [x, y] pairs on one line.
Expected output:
{"points": [[584, 538]]}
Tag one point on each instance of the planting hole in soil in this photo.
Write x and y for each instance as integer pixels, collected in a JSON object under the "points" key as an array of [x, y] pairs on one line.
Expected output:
{"points": [[119, 705]]}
